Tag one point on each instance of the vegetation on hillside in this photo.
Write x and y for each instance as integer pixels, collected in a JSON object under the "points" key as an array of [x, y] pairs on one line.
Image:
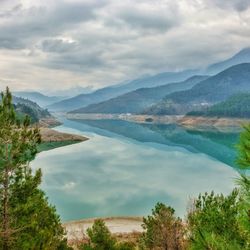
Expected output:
{"points": [[206, 93], [25, 107], [237, 105]]}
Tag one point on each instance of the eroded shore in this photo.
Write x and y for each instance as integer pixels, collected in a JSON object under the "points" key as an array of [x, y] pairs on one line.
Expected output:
{"points": [[185, 121], [75, 230]]}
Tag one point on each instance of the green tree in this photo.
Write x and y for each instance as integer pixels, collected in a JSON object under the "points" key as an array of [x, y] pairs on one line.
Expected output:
{"points": [[27, 220], [243, 159], [214, 222], [100, 238], [162, 230]]}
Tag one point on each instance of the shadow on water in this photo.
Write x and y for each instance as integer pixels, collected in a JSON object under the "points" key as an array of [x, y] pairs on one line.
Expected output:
{"points": [[216, 144]]}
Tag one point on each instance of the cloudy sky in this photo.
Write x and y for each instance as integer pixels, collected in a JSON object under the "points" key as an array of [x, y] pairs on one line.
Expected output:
{"points": [[47, 45]]}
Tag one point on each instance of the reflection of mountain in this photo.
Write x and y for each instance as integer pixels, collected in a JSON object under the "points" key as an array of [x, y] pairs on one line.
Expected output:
{"points": [[213, 143]]}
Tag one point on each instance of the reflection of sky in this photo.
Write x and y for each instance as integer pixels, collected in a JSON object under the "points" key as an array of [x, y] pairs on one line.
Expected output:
{"points": [[113, 176]]}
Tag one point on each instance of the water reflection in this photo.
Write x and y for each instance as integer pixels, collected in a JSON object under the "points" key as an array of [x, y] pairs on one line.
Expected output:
{"points": [[217, 144], [124, 169]]}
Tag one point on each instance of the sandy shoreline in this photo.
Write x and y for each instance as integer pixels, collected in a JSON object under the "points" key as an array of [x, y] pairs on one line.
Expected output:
{"points": [[117, 225], [51, 135]]}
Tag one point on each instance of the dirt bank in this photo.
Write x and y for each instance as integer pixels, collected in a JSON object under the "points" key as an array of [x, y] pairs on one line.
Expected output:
{"points": [[50, 135], [220, 123], [117, 225]]}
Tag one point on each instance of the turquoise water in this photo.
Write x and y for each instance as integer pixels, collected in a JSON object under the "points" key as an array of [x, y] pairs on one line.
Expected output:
{"points": [[125, 168]]}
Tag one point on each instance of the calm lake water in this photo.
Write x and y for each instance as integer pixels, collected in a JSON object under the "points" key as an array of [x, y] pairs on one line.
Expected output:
{"points": [[125, 168]]}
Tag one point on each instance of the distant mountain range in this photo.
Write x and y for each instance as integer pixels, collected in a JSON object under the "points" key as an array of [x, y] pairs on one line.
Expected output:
{"points": [[40, 99], [136, 101], [100, 96], [233, 80], [242, 57], [164, 93], [114, 91]]}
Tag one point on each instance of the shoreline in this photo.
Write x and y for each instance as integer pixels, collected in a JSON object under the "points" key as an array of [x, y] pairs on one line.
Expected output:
{"points": [[167, 119], [182, 120], [51, 135], [52, 139], [117, 225]]}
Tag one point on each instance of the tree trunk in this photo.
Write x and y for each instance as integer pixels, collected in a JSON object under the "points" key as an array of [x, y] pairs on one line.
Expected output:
{"points": [[6, 229]]}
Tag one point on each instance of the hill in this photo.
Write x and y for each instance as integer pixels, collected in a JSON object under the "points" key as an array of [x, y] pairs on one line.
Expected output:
{"points": [[233, 80], [107, 93], [136, 101], [27, 107], [40, 99], [241, 57], [237, 105]]}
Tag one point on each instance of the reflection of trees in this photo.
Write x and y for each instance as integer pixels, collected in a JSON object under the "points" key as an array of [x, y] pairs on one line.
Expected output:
{"points": [[217, 144]]}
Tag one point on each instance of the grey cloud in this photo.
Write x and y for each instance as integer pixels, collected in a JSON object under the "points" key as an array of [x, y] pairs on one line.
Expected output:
{"points": [[10, 12], [144, 18], [239, 5], [37, 22], [148, 21], [98, 42], [58, 45], [80, 61]]}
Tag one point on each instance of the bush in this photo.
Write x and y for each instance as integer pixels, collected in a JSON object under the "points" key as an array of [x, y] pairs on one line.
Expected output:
{"points": [[100, 238], [162, 229], [213, 222]]}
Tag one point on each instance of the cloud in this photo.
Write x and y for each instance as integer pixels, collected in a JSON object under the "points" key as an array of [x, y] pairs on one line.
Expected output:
{"points": [[144, 16], [48, 45], [58, 45], [239, 5], [25, 25]]}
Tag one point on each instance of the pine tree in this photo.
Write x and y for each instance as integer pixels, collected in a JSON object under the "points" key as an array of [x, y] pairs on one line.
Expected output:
{"points": [[162, 229], [27, 221], [243, 159]]}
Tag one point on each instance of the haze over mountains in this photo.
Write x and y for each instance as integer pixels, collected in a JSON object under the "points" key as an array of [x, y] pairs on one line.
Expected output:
{"points": [[181, 97], [114, 91], [40, 99], [164, 93], [136, 101], [241, 57]]}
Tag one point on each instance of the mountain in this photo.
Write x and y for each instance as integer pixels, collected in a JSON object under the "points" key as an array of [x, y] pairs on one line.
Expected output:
{"points": [[107, 93], [233, 80], [71, 92], [27, 107], [40, 99], [237, 105], [136, 101], [104, 94], [241, 57]]}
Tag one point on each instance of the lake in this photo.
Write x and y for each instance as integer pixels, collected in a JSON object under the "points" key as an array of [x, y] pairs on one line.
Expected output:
{"points": [[125, 168]]}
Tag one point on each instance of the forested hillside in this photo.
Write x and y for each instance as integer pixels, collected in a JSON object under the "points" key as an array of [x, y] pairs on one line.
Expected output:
{"points": [[206, 93], [237, 105], [26, 107]]}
